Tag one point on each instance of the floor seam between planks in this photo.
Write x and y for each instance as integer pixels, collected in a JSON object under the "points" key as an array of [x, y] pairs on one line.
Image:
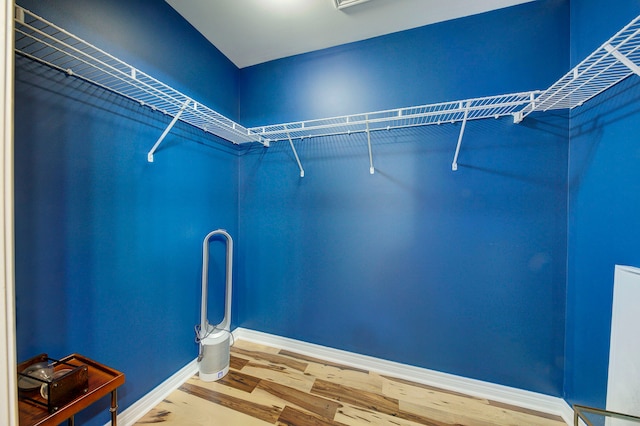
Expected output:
{"points": [[268, 386]]}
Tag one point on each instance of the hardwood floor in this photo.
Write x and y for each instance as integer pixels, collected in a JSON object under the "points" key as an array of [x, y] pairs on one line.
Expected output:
{"points": [[268, 386]]}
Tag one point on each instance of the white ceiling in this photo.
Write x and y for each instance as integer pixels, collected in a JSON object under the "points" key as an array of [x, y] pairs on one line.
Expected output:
{"points": [[250, 32]]}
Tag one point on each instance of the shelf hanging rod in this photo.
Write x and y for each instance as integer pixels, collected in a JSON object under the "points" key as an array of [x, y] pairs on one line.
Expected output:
{"points": [[166, 131], [295, 153], [106, 63], [371, 168], [454, 165], [40, 40], [446, 112]]}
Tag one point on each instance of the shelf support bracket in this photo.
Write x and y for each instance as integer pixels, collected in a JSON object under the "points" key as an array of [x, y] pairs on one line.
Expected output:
{"points": [[620, 57], [166, 131], [295, 153], [519, 115], [454, 165], [371, 168]]}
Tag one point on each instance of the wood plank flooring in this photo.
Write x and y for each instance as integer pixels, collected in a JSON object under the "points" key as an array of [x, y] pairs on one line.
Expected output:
{"points": [[268, 386]]}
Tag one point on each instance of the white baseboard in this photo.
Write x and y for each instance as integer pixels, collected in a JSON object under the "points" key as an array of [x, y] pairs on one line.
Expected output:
{"points": [[499, 393], [142, 406]]}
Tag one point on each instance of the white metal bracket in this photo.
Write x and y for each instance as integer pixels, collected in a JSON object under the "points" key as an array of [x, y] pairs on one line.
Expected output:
{"points": [[623, 59], [371, 168], [19, 14], [295, 153], [518, 116], [166, 131], [454, 165]]}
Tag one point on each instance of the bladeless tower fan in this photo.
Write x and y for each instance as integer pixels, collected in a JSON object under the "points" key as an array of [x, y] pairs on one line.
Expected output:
{"points": [[214, 340]]}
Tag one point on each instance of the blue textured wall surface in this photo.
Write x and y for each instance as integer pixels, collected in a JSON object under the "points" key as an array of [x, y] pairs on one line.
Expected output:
{"points": [[501, 271], [462, 272], [604, 203], [108, 246], [485, 55]]}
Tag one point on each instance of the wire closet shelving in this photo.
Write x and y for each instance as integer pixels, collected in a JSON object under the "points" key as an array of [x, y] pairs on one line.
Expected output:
{"points": [[614, 61], [42, 41], [440, 113]]}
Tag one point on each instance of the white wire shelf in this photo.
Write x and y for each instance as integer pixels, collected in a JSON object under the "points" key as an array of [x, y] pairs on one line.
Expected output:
{"points": [[614, 61], [40, 40], [440, 113]]}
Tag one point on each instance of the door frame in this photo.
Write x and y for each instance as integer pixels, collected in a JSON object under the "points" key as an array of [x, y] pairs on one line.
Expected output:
{"points": [[8, 365]]}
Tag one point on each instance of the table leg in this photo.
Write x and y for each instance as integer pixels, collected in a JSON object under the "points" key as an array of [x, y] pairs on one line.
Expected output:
{"points": [[70, 421], [114, 407]]}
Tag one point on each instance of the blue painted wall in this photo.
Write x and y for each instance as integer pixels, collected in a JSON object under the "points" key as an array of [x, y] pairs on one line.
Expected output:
{"points": [[108, 246], [459, 272], [479, 56], [604, 203], [466, 272]]}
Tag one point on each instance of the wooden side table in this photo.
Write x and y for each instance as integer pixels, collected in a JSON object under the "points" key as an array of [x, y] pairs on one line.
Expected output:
{"points": [[102, 381]]}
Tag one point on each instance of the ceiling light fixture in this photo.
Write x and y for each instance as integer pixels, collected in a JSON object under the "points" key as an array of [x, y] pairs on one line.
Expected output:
{"points": [[341, 4]]}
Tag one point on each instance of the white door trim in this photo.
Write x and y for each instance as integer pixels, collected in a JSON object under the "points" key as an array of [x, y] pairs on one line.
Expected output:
{"points": [[8, 387]]}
